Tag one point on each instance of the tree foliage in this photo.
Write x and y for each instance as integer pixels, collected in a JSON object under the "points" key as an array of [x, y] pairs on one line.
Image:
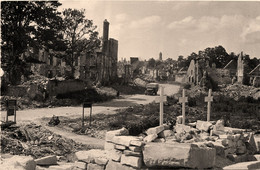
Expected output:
{"points": [[24, 24], [79, 35]]}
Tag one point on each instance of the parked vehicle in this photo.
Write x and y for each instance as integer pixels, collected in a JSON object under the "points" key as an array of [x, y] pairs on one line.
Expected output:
{"points": [[151, 89]]}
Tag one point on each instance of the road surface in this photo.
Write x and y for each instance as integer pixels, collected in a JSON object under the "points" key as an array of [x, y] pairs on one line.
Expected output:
{"points": [[109, 107]]}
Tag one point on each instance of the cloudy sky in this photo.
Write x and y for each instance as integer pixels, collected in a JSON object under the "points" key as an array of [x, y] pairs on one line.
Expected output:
{"points": [[144, 28]]}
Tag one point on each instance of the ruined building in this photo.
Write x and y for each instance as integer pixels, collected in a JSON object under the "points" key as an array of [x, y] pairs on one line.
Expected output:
{"points": [[99, 67], [240, 68]]}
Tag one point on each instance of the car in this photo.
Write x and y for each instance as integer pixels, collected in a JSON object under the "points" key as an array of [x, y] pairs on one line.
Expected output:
{"points": [[151, 89]]}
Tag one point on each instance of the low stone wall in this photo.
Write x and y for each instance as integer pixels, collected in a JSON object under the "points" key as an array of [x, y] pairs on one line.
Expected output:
{"points": [[196, 145]]}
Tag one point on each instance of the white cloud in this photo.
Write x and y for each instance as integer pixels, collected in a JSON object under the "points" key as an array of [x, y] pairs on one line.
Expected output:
{"points": [[251, 32], [145, 22], [121, 17], [185, 23]]}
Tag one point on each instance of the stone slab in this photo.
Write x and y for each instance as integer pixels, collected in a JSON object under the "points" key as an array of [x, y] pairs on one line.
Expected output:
{"points": [[133, 161], [47, 160], [124, 140], [135, 148], [150, 138], [155, 130], [166, 133], [136, 143], [180, 128], [203, 125], [244, 166], [92, 166], [132, 153], [19, 162], [111, 165], [109, 146], [178, 155], [120, 147], [119, 132]]}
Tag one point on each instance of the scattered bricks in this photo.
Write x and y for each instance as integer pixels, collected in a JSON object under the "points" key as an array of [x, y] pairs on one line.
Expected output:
{"points": [[135, 149], [124, 140], [252, 142], [179, 120], [101, 161], [219, 126], [241, 149], [111, 165], [120, 147], [132, 161], [115, 155], [150, 138], [81, 165], [131, 153], [244, 165], [159, 140], [166, 133], [257, 157], [238, 158], [180, 128], [155, 130], [203, 125], [119, 132], [92, 166], [136, 143], [47, 160], [109, 146], [237, 137]]}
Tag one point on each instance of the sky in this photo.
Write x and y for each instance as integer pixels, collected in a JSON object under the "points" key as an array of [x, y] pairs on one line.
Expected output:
{"points": [[146, 28]]}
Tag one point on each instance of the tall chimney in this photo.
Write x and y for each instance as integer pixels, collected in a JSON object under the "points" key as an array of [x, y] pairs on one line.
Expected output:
{"points": [[105, 30]]}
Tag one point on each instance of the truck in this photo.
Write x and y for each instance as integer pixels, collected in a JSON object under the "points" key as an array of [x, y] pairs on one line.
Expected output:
{"points": [[151, 89]]}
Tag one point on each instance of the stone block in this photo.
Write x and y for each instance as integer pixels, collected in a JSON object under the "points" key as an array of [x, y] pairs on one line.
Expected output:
{"points": [[217, 133], [203, 125], [180, 128], [109, 146], [101, 161], [136, 143], [135, 148], [124, 140], [178, 155], [90, 155], [133, 161], [119, 132], [220, 149], [257, 157], [92, 166], [111, 165], [81, 165], [19, 162], [244, 165], [47, 160], [238, 158], [179, 120], [159, 140], [252, 142], [120, 147], [150, 138], [219, 126], [231, 130], [132, 153], [155, 130], [114, 155], [166, 133]]}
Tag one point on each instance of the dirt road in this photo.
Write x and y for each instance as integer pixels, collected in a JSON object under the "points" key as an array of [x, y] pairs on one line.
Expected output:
{"points": [[106, 107]]}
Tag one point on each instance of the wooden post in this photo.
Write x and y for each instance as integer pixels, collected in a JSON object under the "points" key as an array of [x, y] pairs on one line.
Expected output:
{"points": [[209, 99], [161, 99], [83, 117], [183, 100]]}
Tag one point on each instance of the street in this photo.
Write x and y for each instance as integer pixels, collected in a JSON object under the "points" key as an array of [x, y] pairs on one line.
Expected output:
{"points": [[109, 107]]}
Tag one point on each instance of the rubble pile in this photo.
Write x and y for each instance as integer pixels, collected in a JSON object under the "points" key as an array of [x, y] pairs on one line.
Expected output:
{"points": [[237, 90], [197, 145], [37, 141]]}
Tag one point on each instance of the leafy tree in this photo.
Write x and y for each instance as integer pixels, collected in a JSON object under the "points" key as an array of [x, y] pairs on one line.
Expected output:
{"points": [[151, 63], [79, 35], [26, 24]]}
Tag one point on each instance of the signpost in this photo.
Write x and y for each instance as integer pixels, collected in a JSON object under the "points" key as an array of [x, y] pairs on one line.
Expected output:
{"points": [[209, 99], [11, 109], [87, 105], [183, 100], [161, 99]]}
